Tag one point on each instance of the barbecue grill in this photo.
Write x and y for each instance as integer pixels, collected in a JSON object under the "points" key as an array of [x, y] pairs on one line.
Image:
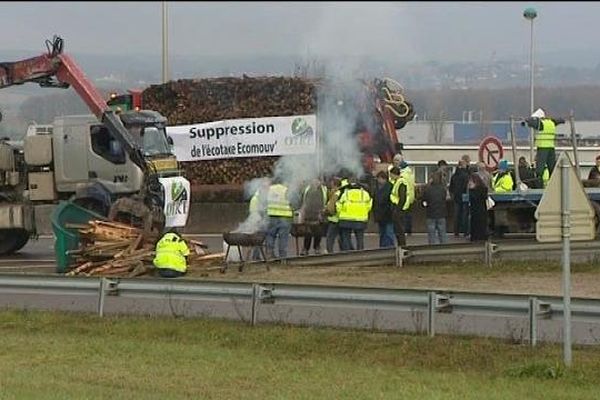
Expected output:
{"points": [[238, 239]]}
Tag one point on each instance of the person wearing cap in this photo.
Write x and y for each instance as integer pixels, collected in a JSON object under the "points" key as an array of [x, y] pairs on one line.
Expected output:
{"points": [[595, 172], [544, 140], [502, 181], [396, 161]]}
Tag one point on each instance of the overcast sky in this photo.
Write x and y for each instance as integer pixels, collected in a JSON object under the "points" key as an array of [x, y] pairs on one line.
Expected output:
{"points": [[410, 31]]}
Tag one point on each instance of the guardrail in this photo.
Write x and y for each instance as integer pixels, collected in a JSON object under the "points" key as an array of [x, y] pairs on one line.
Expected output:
{"points": [[487, 252], [248, 298]]}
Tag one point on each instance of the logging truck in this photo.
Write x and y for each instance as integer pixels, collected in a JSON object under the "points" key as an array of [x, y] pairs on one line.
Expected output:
{"points": [[118, 164]]}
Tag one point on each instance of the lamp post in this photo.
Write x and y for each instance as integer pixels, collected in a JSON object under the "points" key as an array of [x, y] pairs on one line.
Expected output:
{"points": [[165, 44], [530, 14]]}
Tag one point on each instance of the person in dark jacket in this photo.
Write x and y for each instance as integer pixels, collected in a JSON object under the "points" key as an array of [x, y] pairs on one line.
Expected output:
{"points": [[478, 193], [382, 210], [526, 173], [434, 201], [314, 201], [595, 172], [458, 186]]}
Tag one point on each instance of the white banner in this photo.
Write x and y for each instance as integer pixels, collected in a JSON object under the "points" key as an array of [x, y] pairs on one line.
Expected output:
{"points": [[251, 137], [177, 200]]}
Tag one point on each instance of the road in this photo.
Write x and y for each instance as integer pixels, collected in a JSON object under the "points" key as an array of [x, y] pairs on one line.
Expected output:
{"points": [[39, 254]]}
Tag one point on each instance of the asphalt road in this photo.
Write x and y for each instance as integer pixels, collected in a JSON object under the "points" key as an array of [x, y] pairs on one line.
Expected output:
{"points": [[40, 253]]}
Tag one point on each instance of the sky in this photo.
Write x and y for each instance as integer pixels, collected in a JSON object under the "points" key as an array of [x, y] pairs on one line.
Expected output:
{"points": [[413, 32]]}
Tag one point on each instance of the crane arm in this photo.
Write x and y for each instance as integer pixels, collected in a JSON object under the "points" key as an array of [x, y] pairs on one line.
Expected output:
{"points": [[55, 69]]}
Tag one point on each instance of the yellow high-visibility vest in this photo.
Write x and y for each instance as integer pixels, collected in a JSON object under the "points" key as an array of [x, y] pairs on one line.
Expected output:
{"points": [[410, 184], [544, 139], [335, 218], [277, 202], [504, 184], [394, 195], [354, 205], [170, 253]]}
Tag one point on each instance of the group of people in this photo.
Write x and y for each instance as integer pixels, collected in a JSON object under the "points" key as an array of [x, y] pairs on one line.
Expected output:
{"points": [[336, 211], [341, 207]]}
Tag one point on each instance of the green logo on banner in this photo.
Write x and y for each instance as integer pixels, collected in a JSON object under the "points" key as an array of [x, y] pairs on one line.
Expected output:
{"points": [[300, 127], [177, 191]]}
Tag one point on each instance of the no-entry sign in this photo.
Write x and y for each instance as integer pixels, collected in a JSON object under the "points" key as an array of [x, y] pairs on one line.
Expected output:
{"points": [[491, 152]]}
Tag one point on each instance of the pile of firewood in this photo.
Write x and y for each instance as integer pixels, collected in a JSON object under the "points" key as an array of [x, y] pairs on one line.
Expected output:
{"points": [[112, 249], [119, 250], [189, 101]]}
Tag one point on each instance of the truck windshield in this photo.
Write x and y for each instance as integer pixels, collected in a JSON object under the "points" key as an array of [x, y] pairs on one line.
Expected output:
{"points": [[154, 141]]}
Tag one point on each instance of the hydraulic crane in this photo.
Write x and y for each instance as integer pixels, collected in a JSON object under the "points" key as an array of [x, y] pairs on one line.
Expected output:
{"points": [[86, 156]]}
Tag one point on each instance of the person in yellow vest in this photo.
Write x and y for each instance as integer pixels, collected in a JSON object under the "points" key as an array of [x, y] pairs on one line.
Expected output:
{"points": [[396, 162], [171, 252], [408, 173], [280, 212], [399, 197], [353, 208], [545, 177], [314, 200], [502, 180], [544, 140], [333, 231]]}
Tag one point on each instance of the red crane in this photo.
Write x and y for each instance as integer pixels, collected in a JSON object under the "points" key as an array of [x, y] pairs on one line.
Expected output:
{"points": [[56, 69]]}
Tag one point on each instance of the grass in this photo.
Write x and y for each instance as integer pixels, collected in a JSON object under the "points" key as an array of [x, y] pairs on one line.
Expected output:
{"points": [[75, 356]]}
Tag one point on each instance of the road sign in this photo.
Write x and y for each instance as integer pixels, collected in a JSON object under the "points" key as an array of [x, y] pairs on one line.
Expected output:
{"points": [[548, 212], [491, 152]]}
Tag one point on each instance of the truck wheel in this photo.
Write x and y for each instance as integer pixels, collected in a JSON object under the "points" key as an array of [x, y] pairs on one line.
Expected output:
{"points": [[12, 240]]}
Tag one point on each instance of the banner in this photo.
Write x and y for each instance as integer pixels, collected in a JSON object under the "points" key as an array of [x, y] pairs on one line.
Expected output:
{"points": [[251, 137], [177, 200]]}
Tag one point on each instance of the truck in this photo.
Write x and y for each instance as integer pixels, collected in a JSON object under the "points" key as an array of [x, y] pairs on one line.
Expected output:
{"points": [[514, 211], [117, 163]]}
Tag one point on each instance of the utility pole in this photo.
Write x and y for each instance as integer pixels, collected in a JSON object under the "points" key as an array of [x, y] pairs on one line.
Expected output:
{"points": [[530, 14], [165, 43]]}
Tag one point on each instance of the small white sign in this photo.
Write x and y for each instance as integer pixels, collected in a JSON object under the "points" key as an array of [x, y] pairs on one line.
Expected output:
{"points": [[177, 201]]}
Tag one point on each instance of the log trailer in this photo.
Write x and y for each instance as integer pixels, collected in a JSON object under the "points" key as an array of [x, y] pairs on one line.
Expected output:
{"points": [[117, 164], [514, 212]]}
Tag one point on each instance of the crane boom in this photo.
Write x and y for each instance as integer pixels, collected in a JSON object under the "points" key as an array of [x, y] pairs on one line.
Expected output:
{"points": [[55, 69]]}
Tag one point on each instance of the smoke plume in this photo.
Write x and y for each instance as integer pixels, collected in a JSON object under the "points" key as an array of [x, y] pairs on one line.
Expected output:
{"points": [[338, 118]]}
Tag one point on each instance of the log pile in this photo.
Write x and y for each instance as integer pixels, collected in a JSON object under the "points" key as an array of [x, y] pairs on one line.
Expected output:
{"points": [[189, 101], [112, 249], [118, 250]]}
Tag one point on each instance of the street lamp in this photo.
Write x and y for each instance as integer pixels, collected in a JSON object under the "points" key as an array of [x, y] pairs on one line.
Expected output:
{"points": [[165, 44], [530, 14]]}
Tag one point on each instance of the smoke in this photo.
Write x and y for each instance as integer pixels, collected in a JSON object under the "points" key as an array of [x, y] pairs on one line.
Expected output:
{"points": [[342, 111], [257, 219]]}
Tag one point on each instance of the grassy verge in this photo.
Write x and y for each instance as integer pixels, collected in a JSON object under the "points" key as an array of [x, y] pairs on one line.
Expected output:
{"points": [[69, 356]]}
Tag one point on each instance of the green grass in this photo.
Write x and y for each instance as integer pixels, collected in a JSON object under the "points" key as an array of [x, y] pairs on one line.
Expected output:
{"points": [[73, 356]]}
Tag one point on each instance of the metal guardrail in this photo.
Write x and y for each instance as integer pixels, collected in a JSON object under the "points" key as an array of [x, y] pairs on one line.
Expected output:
{"points": [[488, 252], [430, 302]]}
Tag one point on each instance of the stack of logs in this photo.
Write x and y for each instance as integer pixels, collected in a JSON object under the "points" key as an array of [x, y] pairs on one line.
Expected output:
{"points": [[189, 101], [111, 249], [116, 249]]}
